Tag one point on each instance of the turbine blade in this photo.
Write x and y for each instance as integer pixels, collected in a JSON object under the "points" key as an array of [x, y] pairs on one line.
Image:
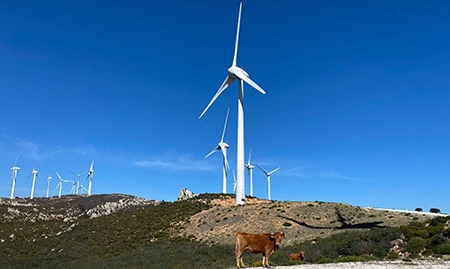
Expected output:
{"points": [[224, 153], [17, 158], [58, 176], [225, 125], [225, 85], [261, 169], [214, 150], [274, 171], [249, 156], [237, 36], [247, 79]]}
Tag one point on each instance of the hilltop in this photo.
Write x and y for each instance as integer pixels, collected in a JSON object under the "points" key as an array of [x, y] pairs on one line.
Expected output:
{"points": [[116, 231]]}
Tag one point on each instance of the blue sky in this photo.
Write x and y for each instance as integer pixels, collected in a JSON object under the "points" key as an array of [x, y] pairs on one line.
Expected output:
{"points": [[356, 110]]}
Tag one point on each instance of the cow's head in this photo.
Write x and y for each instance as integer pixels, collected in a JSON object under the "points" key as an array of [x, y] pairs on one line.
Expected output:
{"points": [[276, 237]]}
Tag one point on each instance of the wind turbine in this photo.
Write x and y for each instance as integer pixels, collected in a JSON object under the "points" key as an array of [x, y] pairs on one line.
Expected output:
{"points": [[82, 188], [237, 73], [223, 147], [14, 177], [61, 181], [250, 172], [90, 175], [49, 178], [268, 179], [74, 187], [78, 181], [34, 172]]}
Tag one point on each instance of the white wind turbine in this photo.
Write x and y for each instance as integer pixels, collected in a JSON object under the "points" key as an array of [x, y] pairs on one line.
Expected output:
{"points": [[268, 179], [78, 181], [237, 73], [74, 187], [250, 172], [90, 175], [49, 178], [34, 172], [82, 188], [14, 177], [61, 181], [223, 147]]}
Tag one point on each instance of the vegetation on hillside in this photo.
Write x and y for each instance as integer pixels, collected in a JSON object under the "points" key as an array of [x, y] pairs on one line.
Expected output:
{"points": [[155, 237]]}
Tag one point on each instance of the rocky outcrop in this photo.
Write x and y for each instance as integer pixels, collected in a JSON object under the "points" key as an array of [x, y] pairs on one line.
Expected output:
{"points": [[113, 207], [185, 194]]}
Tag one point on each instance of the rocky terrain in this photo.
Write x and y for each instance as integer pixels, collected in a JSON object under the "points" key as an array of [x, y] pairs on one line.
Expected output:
{"points": [[68, 207]]}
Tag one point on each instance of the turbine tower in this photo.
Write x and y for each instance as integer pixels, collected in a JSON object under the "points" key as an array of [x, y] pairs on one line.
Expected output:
{"points": [[223, 147], [49, 178], [34, 172], [90, 175], [14, 177], [250, 172], [268, 179], [78, 181], [237, 73]]}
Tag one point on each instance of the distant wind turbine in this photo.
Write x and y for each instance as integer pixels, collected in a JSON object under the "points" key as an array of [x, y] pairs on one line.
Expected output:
{"points": [[90, 175], [82, 188], [237, 73], [60, 184], [268, 179], [49, 178], [14, 169], [78, 181], [223, 147], [34, 172], [74, 187], [250, 172]]}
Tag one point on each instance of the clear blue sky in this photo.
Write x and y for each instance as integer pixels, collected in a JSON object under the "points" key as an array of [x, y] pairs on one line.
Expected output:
{"points": [[356, 110]]}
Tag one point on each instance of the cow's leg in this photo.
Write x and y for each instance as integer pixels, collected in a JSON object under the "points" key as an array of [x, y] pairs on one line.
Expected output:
{"points": [[266, 255], [239, 258], [263, 260]]}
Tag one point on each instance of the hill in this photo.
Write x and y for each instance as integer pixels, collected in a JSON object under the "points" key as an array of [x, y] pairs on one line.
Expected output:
{"points": [[121, 231]]}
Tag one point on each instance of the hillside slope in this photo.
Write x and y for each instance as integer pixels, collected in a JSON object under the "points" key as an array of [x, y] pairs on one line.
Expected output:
{"points": [[121, 231], [300, 221]]}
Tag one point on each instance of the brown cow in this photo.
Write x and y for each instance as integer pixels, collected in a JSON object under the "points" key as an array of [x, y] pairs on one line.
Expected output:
{"points": [[257, 243], [297, 256]]}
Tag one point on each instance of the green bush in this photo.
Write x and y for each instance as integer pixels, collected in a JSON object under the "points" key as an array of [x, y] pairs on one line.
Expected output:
{"points": [[325, 260], [443, 249], [350, 259], [393, 256], [415, 245]]}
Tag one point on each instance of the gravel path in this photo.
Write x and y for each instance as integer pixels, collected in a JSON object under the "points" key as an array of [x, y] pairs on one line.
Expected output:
{"points": [[372, 265], [417, 264]]}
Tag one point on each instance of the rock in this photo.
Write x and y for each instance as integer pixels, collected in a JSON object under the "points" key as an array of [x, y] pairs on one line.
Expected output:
{"points": [[185, 194]]}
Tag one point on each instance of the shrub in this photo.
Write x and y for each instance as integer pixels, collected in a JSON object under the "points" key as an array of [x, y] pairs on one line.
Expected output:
{"points": [[350, 259], [415, 245], [419, 209], [325, 260], [287, 224], [442, 249], [392, 256], [435, 210], [428, 252]]}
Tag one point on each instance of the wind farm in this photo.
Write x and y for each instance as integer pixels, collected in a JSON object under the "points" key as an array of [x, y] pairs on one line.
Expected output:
{"points": [[149, 119], [352, 107]]}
